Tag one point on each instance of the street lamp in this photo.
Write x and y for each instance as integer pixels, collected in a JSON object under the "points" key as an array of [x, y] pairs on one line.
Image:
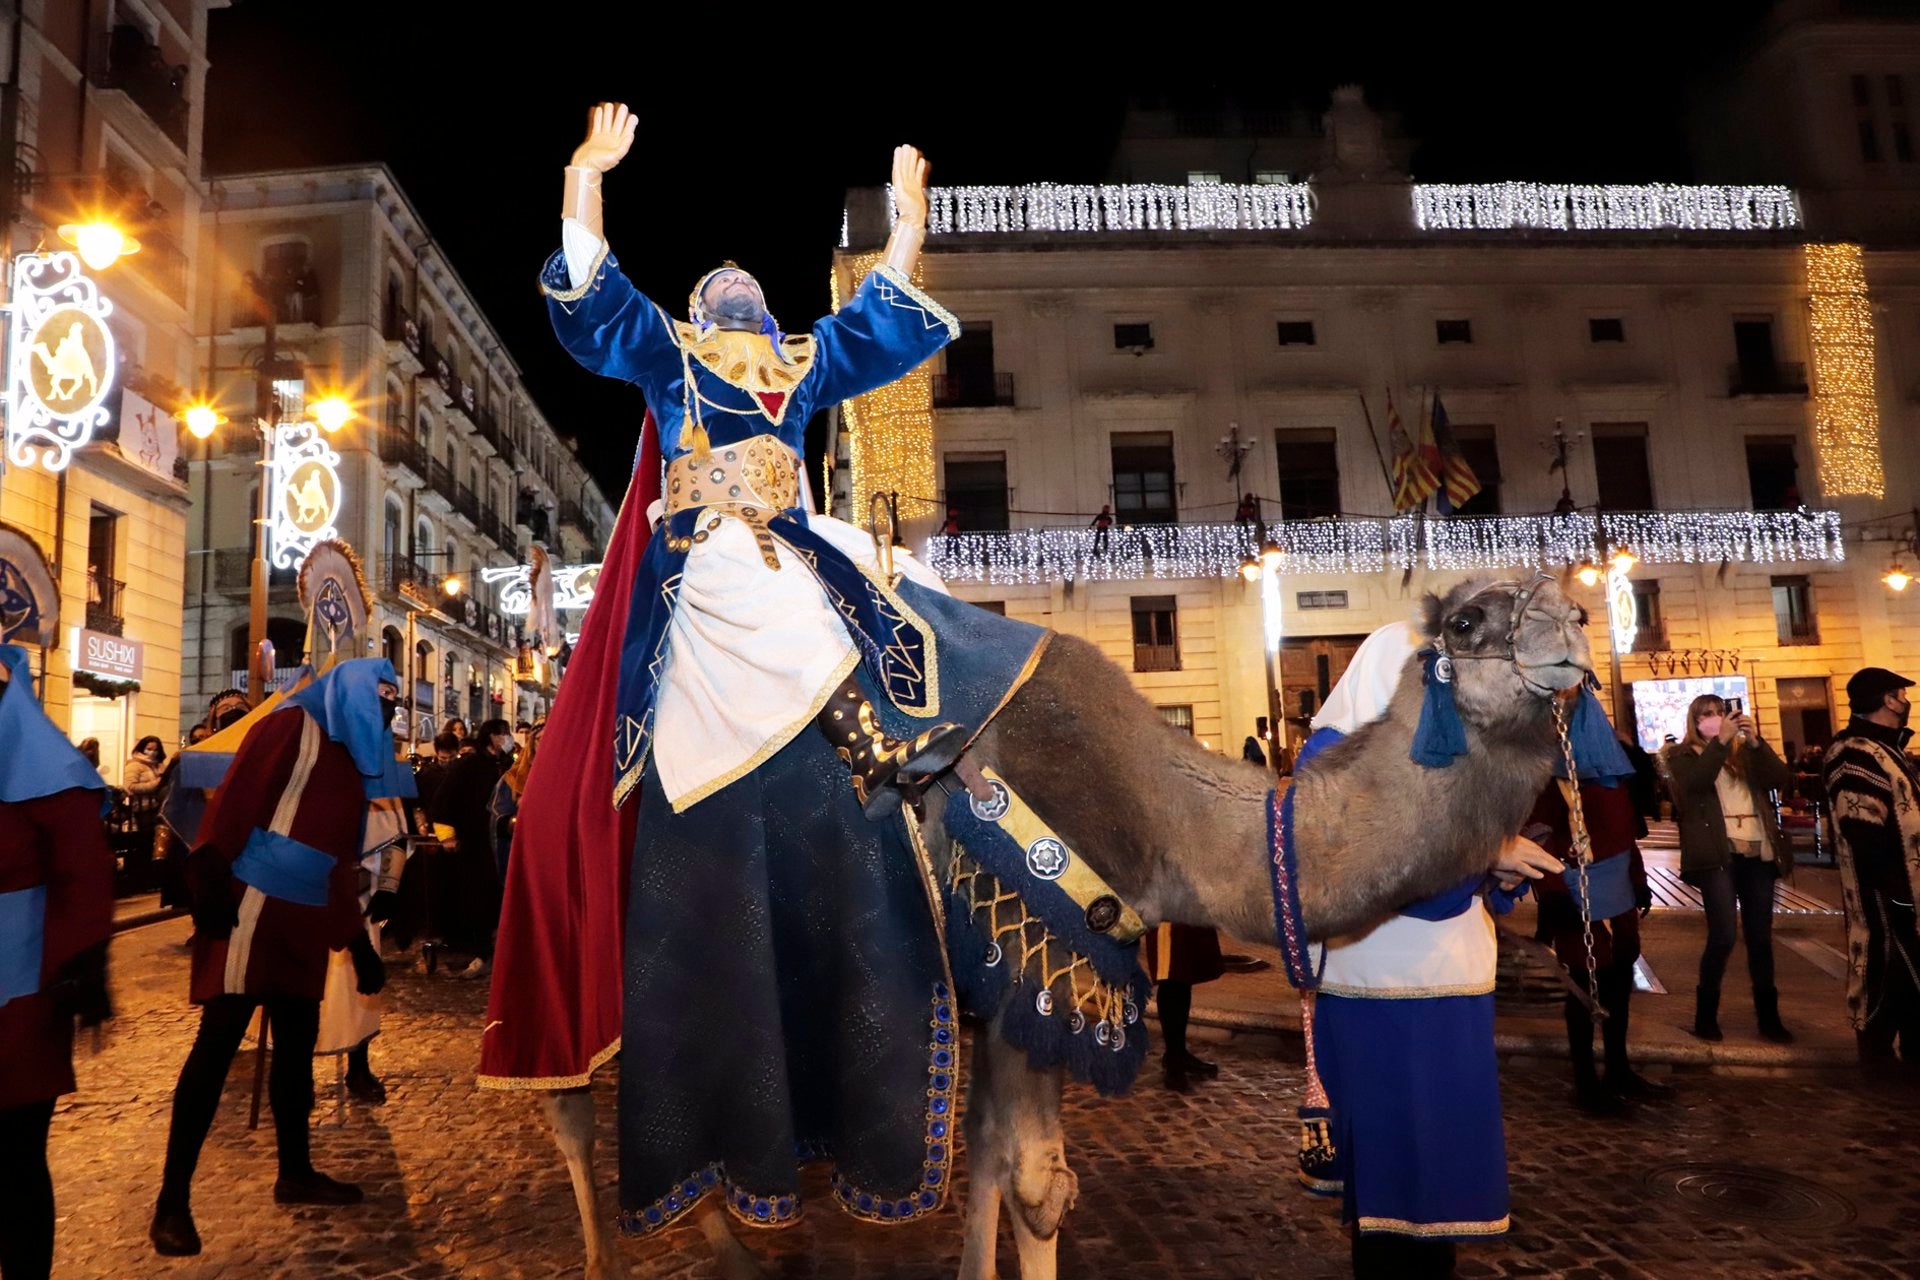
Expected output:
{"points": [[331, 413], [1897, 576], [99, 243]]}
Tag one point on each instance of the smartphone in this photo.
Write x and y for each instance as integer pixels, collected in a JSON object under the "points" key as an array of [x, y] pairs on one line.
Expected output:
{"points": [[1736, 706]]}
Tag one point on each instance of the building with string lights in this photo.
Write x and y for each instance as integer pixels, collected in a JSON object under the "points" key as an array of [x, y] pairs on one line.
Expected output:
{"points": [[327, 281], [100, 127], [1697, 400]]}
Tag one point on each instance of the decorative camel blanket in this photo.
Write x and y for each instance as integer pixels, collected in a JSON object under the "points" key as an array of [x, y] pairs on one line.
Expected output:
{"points": [[1038, 941]]}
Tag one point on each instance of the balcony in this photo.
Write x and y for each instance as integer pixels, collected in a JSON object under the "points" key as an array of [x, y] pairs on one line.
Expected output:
{"points": [[1156, 657], [440, 478], [1650, 638], [502, 536], [1776, 379], [403, 451], [972, 390], [133, 64], [162, 263], [467, 504], [397, 326], [404, 576], [572, 513], [104, 614], [489, 428], [280, 679]]}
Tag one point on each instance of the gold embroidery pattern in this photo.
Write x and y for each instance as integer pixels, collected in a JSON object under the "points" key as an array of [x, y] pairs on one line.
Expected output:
{"points": [[749, 362], [1017, 937], [893, 284], [593, 281]]}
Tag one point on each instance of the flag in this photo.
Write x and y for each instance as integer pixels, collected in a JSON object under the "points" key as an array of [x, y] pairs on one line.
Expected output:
{"points": [[1413, 479], [1459, 483]]}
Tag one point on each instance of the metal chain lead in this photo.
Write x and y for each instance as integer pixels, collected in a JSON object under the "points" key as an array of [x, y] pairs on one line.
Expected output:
{"points": [[1582, 856]]}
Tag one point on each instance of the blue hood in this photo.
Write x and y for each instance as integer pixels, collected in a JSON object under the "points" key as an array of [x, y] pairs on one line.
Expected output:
{"points": [[36, 759], [346, 702]]}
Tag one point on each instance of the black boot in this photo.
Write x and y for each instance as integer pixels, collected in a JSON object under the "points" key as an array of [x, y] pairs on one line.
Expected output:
{"points": [[1174, 1073], [1198, 1066], [1706, 1015], [883, 768], [310, 1186], [1587, 1091], [361, 1082], [1616, 989], [1766, 1008]]}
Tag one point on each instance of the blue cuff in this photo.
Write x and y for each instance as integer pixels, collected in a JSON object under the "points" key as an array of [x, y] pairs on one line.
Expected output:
{"points": [[282, 867], [23, 941]]}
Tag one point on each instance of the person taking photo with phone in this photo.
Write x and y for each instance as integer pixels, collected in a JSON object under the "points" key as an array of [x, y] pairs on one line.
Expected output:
{"points": [[1731, 850]]}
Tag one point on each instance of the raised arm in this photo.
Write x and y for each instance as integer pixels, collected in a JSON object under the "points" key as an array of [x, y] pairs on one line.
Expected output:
{"points": [[610, 130], [890, 326], [910, 199], [600, 318]]}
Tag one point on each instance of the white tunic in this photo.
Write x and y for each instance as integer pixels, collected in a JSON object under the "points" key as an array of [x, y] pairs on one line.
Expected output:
{"points": [[754, 653]]}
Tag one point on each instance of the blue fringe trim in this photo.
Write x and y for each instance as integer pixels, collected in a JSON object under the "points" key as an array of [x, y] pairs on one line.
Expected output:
{"points": [[1101, 1054]]}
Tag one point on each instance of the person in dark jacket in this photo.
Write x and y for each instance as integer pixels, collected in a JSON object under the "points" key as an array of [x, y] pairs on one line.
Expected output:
{"points": [[467, 882], [1876, 811], [1732, 850]]}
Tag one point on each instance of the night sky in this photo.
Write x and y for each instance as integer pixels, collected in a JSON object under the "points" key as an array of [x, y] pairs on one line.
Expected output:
{"points": [[750, 135]]}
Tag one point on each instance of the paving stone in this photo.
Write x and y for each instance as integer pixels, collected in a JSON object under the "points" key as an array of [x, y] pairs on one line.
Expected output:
{"points": [[465, 1183]]}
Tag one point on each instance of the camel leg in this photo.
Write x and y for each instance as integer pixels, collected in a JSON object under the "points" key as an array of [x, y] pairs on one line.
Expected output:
{"points": [[734, 1260], [570, 1112], [1016, 1146]]}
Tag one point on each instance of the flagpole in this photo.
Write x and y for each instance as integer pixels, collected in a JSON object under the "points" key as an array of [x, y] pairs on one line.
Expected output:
{"points": [[1374, 436]]}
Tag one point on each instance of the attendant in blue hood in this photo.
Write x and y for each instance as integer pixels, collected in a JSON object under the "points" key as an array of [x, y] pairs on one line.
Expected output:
{"points": [[275, 881], [56, 914]]}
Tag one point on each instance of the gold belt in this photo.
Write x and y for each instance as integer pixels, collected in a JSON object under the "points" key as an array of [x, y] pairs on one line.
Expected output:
{"points": [[751, 481]]}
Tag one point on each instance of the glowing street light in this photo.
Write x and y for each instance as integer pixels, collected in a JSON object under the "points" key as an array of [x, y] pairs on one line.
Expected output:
{"points": [[331, 412], [452, 585], [1897, 576], [202, 420], [100, 244], [1624, 560], [1588, 574]]}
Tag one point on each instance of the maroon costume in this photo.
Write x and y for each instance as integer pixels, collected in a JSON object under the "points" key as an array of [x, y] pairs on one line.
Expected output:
{"points": [[290, 778], [57, 841]]}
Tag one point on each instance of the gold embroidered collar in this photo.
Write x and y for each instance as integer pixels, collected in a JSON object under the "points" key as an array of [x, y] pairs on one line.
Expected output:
{"points": [[751, 362]]}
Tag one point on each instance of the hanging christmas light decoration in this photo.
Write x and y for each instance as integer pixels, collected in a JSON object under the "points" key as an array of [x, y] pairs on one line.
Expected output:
{"points": [[1362, 545], [1117, 206], [890, 429], [1659, 206], [1846, 430]]}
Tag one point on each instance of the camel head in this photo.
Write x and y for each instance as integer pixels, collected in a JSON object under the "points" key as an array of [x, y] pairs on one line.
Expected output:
{"points": [[1513, 644]]}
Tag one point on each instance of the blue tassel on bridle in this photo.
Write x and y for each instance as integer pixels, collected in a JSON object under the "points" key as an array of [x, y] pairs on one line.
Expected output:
{"points": [[1441, 736]]}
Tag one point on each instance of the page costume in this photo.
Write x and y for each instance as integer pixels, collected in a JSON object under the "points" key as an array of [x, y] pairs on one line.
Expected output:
{"points": [[773, 957]]}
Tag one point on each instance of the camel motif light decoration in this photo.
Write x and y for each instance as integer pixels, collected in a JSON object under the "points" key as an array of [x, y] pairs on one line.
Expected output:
{"points": [[61, 360]]}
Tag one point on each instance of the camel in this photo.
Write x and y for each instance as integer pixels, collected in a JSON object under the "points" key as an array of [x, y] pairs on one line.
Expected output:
{"points": [[1181, 835], [68, 365], [311, 498]]}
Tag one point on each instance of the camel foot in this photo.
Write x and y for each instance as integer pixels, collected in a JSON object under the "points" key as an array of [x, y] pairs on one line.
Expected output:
{"points": [[1043, 1215], [733, 1260]]}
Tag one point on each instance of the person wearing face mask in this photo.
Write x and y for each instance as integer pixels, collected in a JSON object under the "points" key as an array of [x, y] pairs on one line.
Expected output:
{"points": [[467, 884], [1875, 795], [141, 781], [1731, 850], [275, 877]]}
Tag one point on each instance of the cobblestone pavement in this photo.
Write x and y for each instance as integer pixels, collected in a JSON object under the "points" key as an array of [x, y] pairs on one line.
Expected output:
{"points": [[1776, 1175]]}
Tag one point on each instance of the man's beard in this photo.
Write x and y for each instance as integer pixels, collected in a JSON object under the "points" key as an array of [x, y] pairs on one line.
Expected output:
{"points": [[737, 309]]}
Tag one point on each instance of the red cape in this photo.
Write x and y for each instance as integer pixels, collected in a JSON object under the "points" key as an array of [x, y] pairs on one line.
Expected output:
{"points": [[553, 1014]]}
